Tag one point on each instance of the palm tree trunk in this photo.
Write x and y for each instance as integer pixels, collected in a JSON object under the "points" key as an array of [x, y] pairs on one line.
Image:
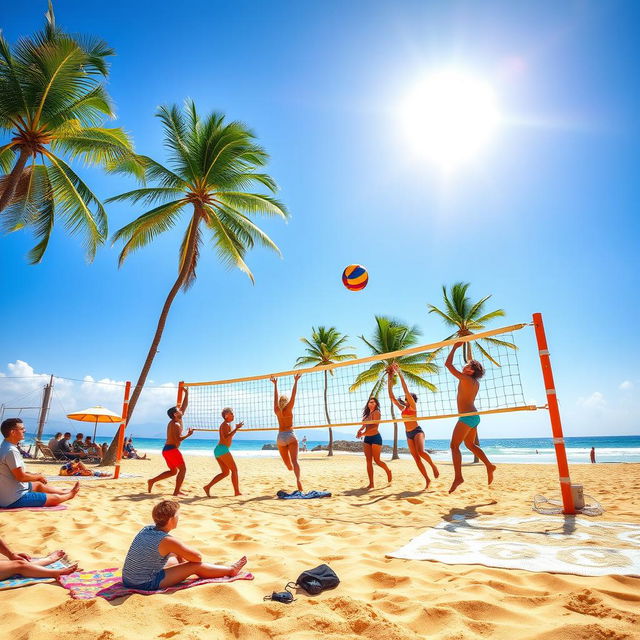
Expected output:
{"points": [[394, 455], [13, 179], [110, 457], [326, 413]]}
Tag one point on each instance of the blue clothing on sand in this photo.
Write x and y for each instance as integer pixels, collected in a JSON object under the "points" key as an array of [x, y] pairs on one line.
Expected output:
{"points": [[298, 495]]}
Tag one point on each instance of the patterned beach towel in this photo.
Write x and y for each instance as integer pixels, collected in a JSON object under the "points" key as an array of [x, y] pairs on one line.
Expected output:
{"points": [[58, 507], [107, 584], [18, 581], [541, 543], [85, 478], [298, 495]]}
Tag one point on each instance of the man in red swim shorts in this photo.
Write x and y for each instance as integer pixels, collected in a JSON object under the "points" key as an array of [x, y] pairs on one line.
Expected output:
{"points": [[171, 451]]}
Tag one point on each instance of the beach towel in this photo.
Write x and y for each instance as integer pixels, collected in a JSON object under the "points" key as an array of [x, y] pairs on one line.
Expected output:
{"points": [[298, 495], [58, 507], [107, 584], [18, 581], [558, 544]]}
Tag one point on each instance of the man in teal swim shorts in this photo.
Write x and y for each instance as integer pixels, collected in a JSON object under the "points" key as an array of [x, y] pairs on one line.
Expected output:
{"points": [[466, 427], [223, 455]]}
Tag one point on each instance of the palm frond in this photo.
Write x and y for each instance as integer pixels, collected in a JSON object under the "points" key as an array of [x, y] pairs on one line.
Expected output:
{"points": [[95, 145], [486, 354]]}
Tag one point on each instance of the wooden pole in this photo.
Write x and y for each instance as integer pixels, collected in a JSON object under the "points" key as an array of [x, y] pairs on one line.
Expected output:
{"points": [[44, 410], [123, 424], [554, 415]]}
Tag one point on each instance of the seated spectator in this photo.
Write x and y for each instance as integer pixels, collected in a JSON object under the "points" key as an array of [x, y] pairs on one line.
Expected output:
{"points": [[63, 452], [148, 566], [19, 488], [21, 564], [91, 448], [53, 443], [78, 447], [130, 452]]}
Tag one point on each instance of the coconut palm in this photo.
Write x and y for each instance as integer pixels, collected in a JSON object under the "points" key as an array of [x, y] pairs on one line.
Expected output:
{"points": [[467, 318], [52, 105], [393, 335], [326, 346], [214, 163]]}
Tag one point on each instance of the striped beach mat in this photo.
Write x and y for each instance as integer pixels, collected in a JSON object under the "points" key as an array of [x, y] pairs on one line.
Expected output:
{"points": [[107, 584], [85, 478], [18, 581], [553, 544]]}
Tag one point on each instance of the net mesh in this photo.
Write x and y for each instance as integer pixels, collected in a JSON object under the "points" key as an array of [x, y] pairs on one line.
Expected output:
{"points": [[336, 395]]}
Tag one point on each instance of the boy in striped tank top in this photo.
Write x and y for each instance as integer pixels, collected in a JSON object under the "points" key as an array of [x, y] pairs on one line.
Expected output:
{"points": [[157, 560]]}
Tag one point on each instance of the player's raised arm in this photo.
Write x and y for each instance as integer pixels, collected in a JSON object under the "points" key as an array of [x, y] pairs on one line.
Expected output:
{"points": [[275, 394], [292, 400], [408, 398], [390, 373], [449, 362], [185, 400]]}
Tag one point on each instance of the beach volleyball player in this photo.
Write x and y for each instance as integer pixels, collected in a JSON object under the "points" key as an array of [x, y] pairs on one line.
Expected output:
{"points": [[171, 450], [467, 426]]}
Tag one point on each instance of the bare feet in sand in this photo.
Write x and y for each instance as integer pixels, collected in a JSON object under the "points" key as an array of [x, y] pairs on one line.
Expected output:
{"points": [[237, 494], [369, 486], [436, 473], [67, 570], [180, 493], [300, 486], [389, 476], [149, 485], [75, 488], [56, 555], [236, 566], [207, 488], [490, 469], [455, 484]]}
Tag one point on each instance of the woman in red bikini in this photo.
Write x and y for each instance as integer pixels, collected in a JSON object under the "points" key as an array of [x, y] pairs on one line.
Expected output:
{"points": [[415, 434]]}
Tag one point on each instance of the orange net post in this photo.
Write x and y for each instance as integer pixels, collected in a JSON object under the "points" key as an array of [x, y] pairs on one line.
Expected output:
{"points": [[125, 412], [554, 415]]}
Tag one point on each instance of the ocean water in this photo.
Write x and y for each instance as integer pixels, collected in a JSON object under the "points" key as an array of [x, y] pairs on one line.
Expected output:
{"points": [[511, 450]]}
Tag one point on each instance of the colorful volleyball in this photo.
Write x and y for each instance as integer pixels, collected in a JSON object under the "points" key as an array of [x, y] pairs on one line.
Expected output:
{"points": [[355, 277]]}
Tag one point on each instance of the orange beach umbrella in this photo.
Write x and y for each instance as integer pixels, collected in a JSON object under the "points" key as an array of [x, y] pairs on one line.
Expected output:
{"points": [[95, 414]]}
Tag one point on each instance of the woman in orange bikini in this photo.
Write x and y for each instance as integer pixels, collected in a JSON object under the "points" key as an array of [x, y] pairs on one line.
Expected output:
{"points": [[415, 434], [372, 439]]}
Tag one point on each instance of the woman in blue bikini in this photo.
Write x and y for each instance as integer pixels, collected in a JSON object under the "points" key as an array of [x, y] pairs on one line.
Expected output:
{"points": [[415, 434], [466, 427], [223, 454], [372, 439]]}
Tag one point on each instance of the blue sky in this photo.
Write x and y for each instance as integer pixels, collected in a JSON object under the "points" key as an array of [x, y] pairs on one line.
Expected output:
{"points": [[545, 218]]}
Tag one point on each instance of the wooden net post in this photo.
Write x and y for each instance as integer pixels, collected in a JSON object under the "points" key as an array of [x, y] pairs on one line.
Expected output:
{"points": [[554, 415], [123, 424]]}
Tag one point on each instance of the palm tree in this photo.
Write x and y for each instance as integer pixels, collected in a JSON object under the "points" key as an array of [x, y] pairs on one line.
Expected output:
{"points": [[52, 105], [393, 335], [467, 318], [213, 162], [326, 346]]}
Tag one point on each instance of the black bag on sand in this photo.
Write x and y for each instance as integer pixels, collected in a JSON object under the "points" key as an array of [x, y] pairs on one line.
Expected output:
{"points": [[316, 580]]}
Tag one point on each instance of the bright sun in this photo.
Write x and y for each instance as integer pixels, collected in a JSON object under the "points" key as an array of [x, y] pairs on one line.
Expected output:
{"points": [[449, 117]]}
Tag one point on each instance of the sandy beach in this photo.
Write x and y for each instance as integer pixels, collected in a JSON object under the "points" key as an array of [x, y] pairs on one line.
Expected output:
{"points": [[378, 597]]}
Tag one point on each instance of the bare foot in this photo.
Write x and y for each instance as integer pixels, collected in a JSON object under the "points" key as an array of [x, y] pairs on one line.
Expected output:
{"points": [[427, 483], [150, 484], [56, 555], [490, 469], [207, 488], [370, 486], [237, 494], [236, 566], [389, 476], [180, 493], [67, 570], [436, 473], [74, 490], [455, 484], [300, 486]]}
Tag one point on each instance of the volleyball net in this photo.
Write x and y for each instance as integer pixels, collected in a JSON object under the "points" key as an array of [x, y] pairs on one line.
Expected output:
{"points": [[335, 395]]}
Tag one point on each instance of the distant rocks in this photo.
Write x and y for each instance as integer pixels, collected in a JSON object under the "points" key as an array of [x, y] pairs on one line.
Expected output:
{"points": [[269, 447], [355, 446]]}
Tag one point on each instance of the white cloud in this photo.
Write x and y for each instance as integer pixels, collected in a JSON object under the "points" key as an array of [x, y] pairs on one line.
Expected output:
{"points": [[21, 386], [594, 401], [627, 385]]}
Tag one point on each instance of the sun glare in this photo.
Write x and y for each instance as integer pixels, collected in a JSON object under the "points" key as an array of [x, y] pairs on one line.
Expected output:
{"points": [[449, 117]]}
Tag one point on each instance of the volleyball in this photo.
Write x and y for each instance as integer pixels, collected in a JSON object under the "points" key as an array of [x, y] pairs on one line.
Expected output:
{"points": [[355, 277]]}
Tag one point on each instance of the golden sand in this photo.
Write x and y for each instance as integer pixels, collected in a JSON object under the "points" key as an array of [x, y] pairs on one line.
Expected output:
{"points": [[378, 597]]}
